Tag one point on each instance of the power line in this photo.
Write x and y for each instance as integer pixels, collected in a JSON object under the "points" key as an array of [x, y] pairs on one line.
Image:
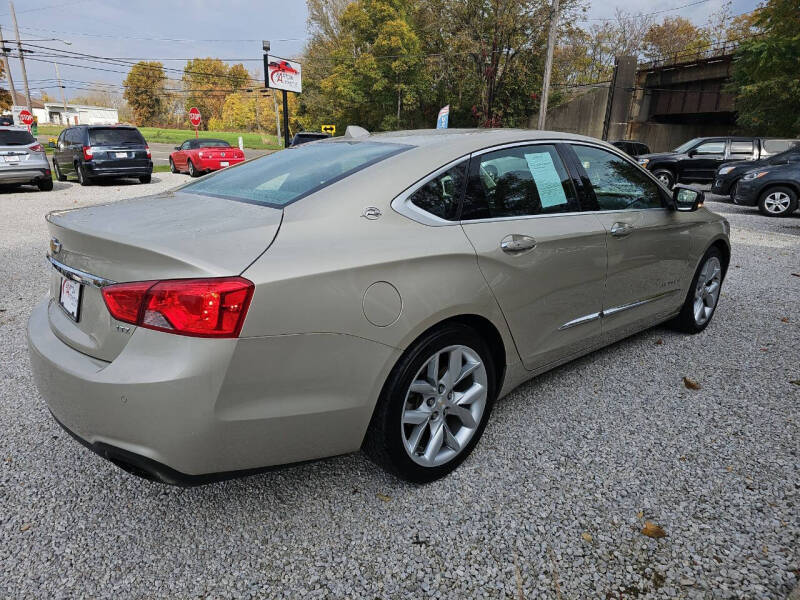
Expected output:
{"points": [[656, 12]]}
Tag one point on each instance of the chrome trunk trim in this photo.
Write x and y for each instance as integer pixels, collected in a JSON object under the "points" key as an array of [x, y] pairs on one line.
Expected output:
{"points": [[78, 275]]}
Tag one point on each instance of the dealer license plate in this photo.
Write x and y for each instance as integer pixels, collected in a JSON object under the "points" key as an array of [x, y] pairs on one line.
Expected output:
{"points": [[223, 163], [70, 297], [121, 154], [11, 159]]}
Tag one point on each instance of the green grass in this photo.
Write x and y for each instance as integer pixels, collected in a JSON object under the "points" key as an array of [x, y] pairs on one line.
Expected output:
{"points": [[178, 136], [160, 168]]}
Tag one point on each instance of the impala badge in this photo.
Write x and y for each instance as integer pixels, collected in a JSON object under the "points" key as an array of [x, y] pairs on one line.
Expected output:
{"points": [[55, 246]]}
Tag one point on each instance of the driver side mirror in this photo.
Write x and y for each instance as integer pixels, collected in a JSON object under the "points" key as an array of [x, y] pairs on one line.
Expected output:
{"points": [[687, 199], [177, 147]]}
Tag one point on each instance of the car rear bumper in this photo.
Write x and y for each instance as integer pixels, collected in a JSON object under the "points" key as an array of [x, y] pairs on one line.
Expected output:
{"points": [[25, 175], [189, 410], [215, 165], [117, 169]]}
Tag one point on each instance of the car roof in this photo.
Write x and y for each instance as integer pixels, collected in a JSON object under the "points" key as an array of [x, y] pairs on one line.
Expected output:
{"points": [[467, 140]]}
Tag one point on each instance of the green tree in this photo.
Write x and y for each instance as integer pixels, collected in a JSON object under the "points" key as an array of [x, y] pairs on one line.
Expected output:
{"points": [[144, 92], [208, 82], [766, 72]]}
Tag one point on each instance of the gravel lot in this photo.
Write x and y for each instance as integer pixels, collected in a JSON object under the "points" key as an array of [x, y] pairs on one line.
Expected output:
{"points": [[550, 505]]}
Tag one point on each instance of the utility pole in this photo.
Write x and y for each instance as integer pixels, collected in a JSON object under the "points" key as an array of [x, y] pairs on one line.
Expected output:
{"points": [[61, 87], [8, 69], [21, 57], [548, 65]]}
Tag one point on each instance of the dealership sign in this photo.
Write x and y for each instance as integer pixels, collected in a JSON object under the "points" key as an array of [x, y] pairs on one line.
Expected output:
{"points": [[284, 74]]}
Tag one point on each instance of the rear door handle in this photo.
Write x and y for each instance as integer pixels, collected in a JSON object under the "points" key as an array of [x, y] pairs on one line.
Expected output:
{"points": [[517, 244], [621, 229]]}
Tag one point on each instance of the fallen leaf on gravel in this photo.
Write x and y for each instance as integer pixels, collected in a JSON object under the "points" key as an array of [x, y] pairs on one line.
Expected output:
{"points": [[659, 341], [384, 497], [691, 383], [587, 537], [796, 274], [784, 319], [652, 530], [25, 527], [640, 514], [729, 469], [794, 381]]}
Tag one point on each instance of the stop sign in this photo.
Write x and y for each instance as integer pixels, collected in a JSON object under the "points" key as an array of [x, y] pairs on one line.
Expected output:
{"points": [[26, 117], [194, 116]]}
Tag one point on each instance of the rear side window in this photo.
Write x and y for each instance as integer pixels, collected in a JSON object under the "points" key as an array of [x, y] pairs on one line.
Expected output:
{"points": [[109, 136], [517, 182], [741, 149], [775, 146], [440, 195], [287, 176], [15, 137]]}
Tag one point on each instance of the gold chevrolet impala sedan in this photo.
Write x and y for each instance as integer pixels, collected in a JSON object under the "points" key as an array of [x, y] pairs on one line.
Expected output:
{"points": [[375, 292]]}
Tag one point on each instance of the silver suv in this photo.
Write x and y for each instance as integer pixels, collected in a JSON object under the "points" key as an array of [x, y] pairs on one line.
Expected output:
{"points": [[23, 160]]}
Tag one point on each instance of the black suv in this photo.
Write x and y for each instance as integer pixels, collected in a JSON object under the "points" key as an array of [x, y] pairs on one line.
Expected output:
{"points": [[729, 173], [93, 151], [631, 148], [697, 160], [308, 136]]}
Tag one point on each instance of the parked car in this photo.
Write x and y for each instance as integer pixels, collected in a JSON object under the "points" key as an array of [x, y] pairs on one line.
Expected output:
{"points": [[697, 160], [23, 160], [6, 121], [198, 156], [729, 174], [364, 291], [773, 188], [631, 147], [91, 152], [308, 136]]}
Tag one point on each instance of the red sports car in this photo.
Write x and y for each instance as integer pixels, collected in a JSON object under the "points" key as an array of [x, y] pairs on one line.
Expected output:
{"points": [[200, 156]]}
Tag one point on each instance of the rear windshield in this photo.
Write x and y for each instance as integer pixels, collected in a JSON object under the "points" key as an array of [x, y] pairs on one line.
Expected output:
{"points": [[14, 137], [209, 144], [283, 177], [108, 136]]}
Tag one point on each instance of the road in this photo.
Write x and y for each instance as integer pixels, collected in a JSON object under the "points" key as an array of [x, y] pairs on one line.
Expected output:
{"points": [[550, 505]]}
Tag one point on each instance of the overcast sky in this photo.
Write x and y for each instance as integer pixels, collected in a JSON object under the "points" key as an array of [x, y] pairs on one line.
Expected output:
{"points": [[141, 29]]}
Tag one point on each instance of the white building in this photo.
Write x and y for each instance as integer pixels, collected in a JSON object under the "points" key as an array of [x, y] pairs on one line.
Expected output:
{"points": [[72, 114]]}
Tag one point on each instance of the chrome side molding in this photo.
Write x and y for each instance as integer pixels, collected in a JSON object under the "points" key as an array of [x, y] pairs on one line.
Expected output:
{"points": [[613, 310], [78, 275]]}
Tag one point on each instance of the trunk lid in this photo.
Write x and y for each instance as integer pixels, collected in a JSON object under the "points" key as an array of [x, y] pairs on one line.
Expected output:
{"points": [[169, 236]]}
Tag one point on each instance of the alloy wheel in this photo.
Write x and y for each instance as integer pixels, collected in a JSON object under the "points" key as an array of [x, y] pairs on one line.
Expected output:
{"points": [[444, 406], [706, 293], [777, 202]]}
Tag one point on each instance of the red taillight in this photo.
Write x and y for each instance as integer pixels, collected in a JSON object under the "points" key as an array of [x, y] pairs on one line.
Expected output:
{"points": [[88, 152], [147, 149], [196, 307], [37, 148]]}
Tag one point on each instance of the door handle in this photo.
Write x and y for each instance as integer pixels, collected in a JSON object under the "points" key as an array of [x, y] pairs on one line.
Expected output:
{"points": [[621, 229], [516, 244]]}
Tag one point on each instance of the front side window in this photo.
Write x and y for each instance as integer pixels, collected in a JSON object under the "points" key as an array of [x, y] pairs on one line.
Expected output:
{"points": [[518, 182], [440, 195], [186, 145], [283, 177], [717, 147], [617, 183]]}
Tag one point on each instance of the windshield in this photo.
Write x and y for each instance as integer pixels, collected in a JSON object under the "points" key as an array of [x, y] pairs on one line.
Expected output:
{"points": [[685, 146], [15, 137], [209, 144], [283, 177], [112, 136]]}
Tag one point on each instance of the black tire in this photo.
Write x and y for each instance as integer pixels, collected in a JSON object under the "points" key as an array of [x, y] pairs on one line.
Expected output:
{"points": [[384, 440], [57, 172], [665, 176], [45, 185], [734, 186], [145, 179], [685, 321], [193, 172], [771, 198], [172, 167], [83, 178]]}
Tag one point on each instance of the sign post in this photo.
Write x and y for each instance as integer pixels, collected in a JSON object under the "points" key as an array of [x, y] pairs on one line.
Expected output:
{"points": [[284, 75], [195, 118], [26, 117], [443, 118]]}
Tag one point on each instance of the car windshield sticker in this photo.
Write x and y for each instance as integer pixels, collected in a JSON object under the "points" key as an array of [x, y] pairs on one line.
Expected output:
{"points": [[548, 181]]}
